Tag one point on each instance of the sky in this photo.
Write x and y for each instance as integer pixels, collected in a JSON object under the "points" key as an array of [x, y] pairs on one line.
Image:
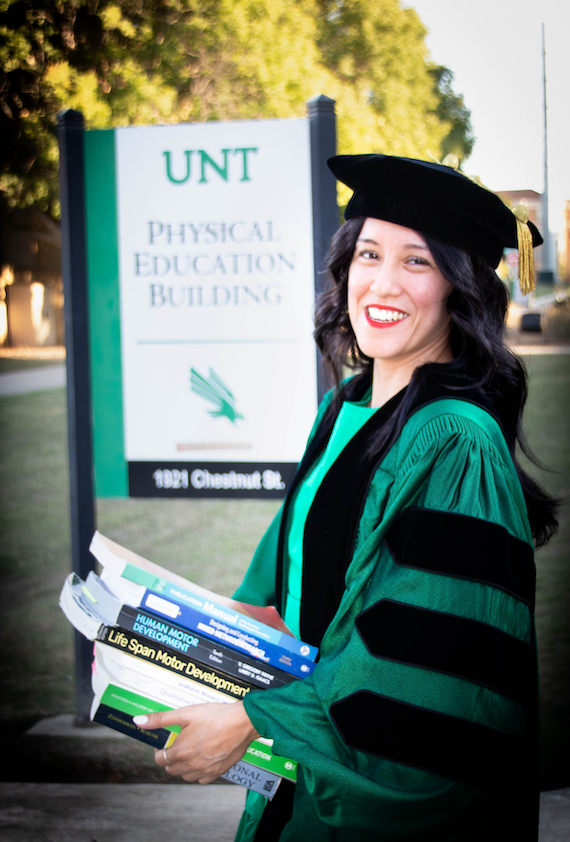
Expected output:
{"points": [[494, 49]]}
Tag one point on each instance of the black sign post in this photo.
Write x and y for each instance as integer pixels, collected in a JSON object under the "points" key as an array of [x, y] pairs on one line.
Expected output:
{"points": [[322, 119], [74, 272]]}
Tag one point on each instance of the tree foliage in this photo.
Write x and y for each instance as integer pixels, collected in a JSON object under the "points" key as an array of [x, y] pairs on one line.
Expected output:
{"points": [[451, 109], [124, 62]]}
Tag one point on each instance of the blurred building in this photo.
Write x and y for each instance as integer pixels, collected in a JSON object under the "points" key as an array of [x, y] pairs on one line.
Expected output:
{"points": [[564, 246], [31, 289]]}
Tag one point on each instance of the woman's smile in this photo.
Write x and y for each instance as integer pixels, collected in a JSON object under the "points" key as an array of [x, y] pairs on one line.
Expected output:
{"points": [[384, 316]]}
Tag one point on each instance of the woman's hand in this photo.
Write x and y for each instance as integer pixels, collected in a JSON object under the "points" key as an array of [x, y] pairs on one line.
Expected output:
{"points": [[213, 738]]}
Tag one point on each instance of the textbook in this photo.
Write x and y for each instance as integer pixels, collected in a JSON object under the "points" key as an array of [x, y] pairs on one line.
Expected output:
{"points": [[223, 630], [94, 611], [133, 675], [120, 561], [111, 666], [147, 661], [142, 583], [80, 606], [123, 698], [124, 685], [252, 777], [113, 717], [134, 649], [204, 649], [116, 703]]}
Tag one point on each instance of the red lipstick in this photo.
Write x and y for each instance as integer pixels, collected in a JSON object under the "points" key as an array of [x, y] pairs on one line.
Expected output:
{"points": [[381, 313]]}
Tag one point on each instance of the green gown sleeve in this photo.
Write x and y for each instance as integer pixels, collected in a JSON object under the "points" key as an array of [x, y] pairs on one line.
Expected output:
{"points": [[361, 726]]}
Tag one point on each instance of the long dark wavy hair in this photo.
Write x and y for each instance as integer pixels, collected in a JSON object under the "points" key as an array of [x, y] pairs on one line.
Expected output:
{"points": [[477, 308]]}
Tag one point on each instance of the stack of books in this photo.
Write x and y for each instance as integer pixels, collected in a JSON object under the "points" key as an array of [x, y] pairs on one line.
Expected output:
{"points": [[162, 642]]}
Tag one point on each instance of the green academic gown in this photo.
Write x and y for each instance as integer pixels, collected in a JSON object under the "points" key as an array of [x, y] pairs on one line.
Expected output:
{"points": [[419, 720]]}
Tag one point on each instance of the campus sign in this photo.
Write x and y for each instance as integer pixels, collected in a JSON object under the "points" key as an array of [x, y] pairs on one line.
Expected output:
{"points": [[201, 290]]}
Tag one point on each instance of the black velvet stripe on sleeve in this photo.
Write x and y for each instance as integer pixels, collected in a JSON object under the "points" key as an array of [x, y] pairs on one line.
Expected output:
{"points": [[455, 748], [449, 644], [465, 547]]}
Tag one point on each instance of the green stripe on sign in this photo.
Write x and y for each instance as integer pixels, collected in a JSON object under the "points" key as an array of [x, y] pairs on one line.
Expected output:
{"points": [[111, 478]]}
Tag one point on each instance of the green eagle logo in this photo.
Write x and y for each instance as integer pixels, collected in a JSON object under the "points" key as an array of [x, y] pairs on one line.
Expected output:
{"points": [[214, 390]]}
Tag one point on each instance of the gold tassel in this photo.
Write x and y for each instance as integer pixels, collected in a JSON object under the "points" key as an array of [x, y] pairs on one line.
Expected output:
{"points": [[526, 254], [451, 161]]}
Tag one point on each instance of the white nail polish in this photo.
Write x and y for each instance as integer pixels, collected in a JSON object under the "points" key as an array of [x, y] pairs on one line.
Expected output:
{"points": [[140, 720]]}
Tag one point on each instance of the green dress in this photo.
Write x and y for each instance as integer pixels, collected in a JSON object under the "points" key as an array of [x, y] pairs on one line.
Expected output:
{"points": [[419, 721]]}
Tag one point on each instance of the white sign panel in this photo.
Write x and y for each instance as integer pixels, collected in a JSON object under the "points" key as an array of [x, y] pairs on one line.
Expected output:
{"points": [[217, 292]]}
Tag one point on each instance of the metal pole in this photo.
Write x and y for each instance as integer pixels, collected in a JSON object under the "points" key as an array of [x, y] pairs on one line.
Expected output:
{"points": [[322, 120], [547, 270], [74, 271]]}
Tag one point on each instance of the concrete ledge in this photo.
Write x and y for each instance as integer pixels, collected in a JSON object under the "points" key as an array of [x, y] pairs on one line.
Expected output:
{"points": [[119, 813], [555, 816], [64, 726], [178, 812]]}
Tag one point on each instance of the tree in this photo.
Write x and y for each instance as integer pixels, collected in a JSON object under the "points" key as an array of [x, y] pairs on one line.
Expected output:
{"points": [[145, 61], [94, 55], [451, 109]]}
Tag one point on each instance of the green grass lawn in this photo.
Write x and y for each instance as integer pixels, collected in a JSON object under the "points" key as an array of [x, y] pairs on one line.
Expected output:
{"points": [[548, 429], [211, 542], [8, 364]]}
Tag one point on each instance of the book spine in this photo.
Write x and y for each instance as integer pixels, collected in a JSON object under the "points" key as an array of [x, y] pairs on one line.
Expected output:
{"points": [[175, 662], [167, 689], [203, 649], [252, 777], [174, 691], [261, 755], [216, 611], [195, 620], [123, 723], [126, 701]]}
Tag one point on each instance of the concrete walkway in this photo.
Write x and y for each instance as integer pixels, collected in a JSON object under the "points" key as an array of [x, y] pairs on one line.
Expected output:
{"points": [[31, 380], [119, 812], [114, 812], [32, 812], [174, 812], [555, 816]]}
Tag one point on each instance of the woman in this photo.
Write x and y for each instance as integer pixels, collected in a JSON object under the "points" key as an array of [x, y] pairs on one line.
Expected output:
{"points": [[404, 547]]}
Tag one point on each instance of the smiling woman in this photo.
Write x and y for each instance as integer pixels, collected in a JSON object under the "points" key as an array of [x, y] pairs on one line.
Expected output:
{"points": [[404, 548]]}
